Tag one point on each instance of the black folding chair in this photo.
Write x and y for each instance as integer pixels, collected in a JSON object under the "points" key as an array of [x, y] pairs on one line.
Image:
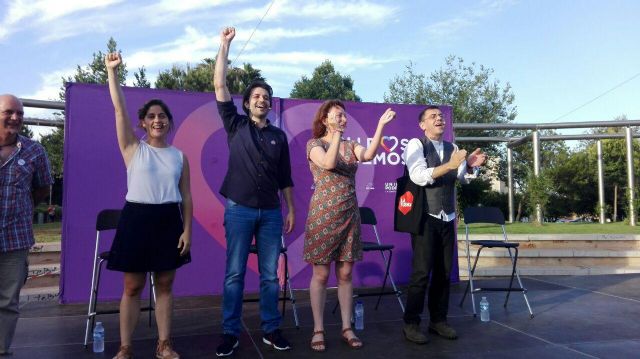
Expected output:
{"points": [[107, 220], [286, 296], [491, 215], [368, 218]]}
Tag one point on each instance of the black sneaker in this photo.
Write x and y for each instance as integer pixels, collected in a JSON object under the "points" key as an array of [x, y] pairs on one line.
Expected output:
{"points": [[276, 340], [229, 342]]}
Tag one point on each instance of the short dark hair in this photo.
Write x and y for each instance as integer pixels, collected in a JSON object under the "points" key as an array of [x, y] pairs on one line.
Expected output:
{"points": [[430, 107], [142, 112], [249, 89]]}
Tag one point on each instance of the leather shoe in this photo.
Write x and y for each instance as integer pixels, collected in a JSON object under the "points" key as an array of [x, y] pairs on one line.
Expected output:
{"points": [[443, 329], [413, 334]]}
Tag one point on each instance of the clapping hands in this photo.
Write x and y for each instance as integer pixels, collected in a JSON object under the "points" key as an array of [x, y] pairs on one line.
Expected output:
{"points": [[457, 158], [476, 158]]}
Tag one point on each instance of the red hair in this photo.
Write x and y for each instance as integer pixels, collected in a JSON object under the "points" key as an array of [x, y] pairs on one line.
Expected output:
{"points": [[318, 127]]}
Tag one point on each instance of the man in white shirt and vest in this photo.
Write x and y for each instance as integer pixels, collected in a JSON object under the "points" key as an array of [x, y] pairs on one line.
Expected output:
{"points": [[437, 169]]}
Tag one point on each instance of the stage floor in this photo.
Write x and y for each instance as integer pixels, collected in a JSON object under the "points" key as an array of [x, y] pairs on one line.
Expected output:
{"points": [[575, 317]]}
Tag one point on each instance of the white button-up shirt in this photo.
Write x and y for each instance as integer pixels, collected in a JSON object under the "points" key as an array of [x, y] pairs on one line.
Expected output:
{"points": [[421, 175]]}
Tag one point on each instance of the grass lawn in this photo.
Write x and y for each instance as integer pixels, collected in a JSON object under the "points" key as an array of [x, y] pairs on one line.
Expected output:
{"points": [[48, 232], [555, 228], [51, 232]]}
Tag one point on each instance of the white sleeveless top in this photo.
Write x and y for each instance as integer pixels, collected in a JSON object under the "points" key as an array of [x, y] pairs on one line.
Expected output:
{"points": [[153, 175]]}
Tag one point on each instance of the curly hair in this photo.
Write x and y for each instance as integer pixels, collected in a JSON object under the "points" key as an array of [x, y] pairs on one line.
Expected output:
{"points": [[318, 127]]}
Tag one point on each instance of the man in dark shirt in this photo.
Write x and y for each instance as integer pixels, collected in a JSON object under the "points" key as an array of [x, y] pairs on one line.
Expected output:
{"points": [[259, 167]]}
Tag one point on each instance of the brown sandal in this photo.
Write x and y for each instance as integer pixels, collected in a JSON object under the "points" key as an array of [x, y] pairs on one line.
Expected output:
{"points": [[316, 344], [353, 343], [165, 351], [125, 352]]}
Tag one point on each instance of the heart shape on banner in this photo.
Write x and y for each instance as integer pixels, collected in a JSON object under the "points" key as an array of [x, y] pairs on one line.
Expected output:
{"points": [[293, 127], [191, 137], [386, 146]]}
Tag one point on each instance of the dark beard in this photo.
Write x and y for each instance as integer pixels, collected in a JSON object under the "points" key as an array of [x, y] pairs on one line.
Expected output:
{"points": [[260, 116]]}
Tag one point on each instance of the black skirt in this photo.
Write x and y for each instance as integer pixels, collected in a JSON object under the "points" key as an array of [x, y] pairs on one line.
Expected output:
{"points": [[147, 239]]}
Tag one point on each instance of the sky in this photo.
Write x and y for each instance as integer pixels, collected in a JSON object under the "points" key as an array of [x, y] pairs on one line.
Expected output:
{"points": [[565, 60]]}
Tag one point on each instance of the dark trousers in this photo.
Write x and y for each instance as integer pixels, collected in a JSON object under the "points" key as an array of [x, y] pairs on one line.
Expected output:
{"points": [[432, 255], [13, 273]]}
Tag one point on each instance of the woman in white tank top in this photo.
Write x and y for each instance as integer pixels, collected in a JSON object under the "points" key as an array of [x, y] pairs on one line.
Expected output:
{"points": [[154, 232]]}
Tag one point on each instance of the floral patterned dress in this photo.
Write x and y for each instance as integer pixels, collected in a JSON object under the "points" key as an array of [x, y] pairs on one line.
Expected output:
{"points": [[332, 231]]}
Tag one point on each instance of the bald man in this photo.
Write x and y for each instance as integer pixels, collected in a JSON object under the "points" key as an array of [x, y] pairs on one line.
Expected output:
{"points": [[25, 177]]}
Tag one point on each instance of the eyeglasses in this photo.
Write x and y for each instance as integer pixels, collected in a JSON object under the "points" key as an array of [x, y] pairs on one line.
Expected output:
{"points": [[434, 116]]}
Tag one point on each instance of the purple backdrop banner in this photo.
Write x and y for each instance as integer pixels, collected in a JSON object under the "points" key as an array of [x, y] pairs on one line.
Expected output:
{"points": [[95, 179]]}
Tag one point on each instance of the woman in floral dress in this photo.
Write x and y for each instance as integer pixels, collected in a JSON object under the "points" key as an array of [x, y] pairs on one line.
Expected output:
{"points": [[332, 232]]}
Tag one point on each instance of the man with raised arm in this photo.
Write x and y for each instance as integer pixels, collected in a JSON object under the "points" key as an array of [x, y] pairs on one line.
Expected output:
{"points": [[258, 168]]}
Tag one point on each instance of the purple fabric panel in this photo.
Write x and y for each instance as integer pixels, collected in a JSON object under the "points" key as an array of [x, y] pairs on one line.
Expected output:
{"points": [[95, 179], [375, 183]]}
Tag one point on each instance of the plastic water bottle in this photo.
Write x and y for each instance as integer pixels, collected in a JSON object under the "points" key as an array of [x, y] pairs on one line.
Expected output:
{"points": [[98, 338], [359, 315], [484, 310]]}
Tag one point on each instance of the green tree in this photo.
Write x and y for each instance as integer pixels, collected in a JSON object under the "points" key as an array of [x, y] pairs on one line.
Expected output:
{"points": [[614, 157], [172, 79], [141, 78], [538, 192], [26, 131], [95, 72], [473, 194], [238, 78], [474, 95], [53, 144], [552, 155], [200, 77], [325, 84], [470, 89], [575, 186], [575, 176]]}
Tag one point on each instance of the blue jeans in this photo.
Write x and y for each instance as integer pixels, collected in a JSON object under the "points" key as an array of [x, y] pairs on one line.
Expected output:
{"points": [[241, 224]]}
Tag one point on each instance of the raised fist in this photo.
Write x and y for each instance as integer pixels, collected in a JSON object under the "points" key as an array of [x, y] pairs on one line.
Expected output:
{"points": [[227, 34], [112, 60]]}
